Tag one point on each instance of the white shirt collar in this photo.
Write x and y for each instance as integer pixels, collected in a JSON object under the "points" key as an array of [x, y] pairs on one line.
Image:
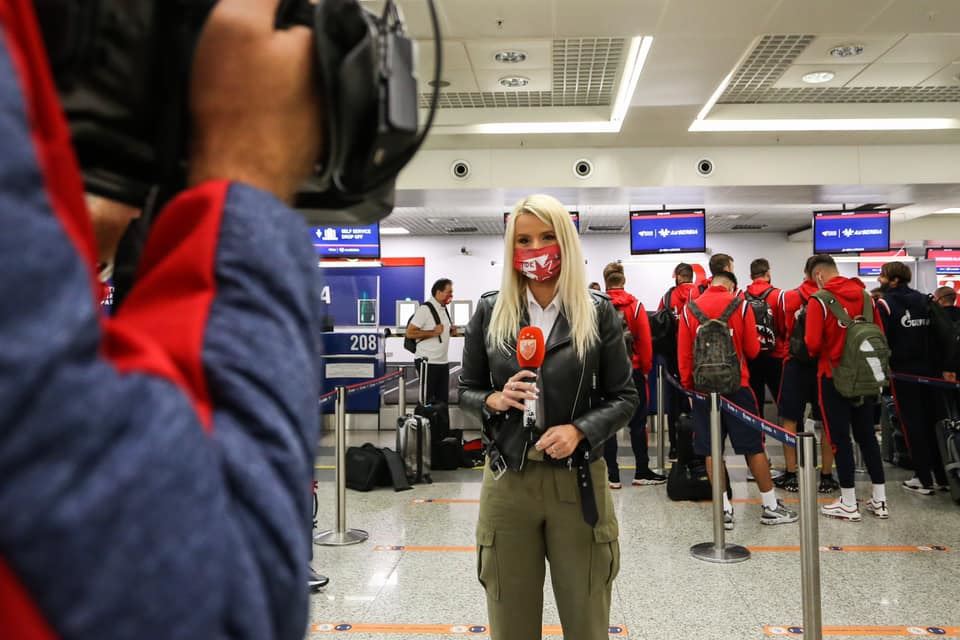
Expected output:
{"points": [[554, 304]]}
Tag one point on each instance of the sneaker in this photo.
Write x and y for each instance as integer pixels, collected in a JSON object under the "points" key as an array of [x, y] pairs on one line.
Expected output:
{"points": [[915, 486], [776, 474], [828, 484], [648, 477], [750, 477], [780, 515], [878, 508], [616, 485], [791, 484], [779, 481], [839, 510], [728, 520]]}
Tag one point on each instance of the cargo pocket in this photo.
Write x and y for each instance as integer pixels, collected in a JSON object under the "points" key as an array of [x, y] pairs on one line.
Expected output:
{"points": [[488, 570], [604, 556]]}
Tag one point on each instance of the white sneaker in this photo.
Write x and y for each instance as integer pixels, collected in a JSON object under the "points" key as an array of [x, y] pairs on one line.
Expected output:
{"points": [[616, 485], [839, 510], [914, 485], [780, 515], [728, 520], [878, 508]]}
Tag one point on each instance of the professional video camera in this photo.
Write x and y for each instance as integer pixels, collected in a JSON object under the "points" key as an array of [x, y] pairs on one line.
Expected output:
{"points": [[122, 68]]}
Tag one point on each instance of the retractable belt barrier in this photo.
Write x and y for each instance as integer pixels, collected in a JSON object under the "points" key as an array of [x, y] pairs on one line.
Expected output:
{"points": [[930, 381], [360, 386], [341, 535], [756, 422]]}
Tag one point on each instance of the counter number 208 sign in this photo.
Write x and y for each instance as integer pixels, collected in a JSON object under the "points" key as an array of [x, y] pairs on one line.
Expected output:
{"points": [[364, 342]]}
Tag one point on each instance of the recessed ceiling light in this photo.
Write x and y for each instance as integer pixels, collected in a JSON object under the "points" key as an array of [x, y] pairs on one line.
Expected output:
{"points": [[846, 50], [438, 84], [510, 57], [393, 231], [514, 82], [818, 77]]}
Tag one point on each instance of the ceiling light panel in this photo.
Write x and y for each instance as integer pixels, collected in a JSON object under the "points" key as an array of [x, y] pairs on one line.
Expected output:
{"points": [[846, 51], [818, 77], [510, 56], [513, 82]]}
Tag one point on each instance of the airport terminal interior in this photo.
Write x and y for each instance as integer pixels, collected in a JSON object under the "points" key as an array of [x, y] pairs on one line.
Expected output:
{"points": [[671, 130]]}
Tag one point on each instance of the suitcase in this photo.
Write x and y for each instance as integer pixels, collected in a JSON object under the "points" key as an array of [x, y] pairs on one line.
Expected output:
{"points": [[893, 444], [448, 455], [439, 418], [413, 447], [948, 441]]}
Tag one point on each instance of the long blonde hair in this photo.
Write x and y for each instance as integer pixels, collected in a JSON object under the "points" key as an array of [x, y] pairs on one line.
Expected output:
{"points": [[571, 284]]}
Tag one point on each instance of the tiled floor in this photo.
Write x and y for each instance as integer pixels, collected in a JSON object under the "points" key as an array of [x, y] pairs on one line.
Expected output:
{"points": [[661, 593]]}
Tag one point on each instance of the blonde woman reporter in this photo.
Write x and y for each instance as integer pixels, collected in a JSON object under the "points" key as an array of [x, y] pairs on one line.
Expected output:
{"points": [[545, 495]]}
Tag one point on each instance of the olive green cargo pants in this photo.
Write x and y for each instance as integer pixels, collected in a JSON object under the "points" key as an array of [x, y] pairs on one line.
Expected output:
{"points": [[534, 515]]}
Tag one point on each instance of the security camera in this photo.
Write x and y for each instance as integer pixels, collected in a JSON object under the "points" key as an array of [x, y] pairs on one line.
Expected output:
{"points": [[705, 166], [582, 168], [460, 169], [464, 251]]}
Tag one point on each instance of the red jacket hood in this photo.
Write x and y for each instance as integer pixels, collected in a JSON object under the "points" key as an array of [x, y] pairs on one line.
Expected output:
{"points": [[759, 286], [846, 289], [808, 288], [620, 297]]}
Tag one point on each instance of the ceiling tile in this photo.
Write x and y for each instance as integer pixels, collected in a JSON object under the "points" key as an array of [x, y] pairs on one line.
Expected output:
{"points": [[499, 19], [918, 16], [716, 17], [940, 48], [460, 81], [793, 76], [894, 75], [949, 76], [611, 17], [874, 46], [809, 16], [539, 54], [454, 55], [540, 79]]}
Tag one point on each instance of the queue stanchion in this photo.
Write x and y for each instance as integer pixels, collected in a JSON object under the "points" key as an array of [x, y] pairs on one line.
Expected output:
{"points": [[341, 536], [809, 536], [661, 421], [718, 551], [402, 395]]}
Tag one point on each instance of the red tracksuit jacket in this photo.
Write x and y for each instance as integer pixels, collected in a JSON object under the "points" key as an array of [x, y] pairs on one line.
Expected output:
{"points": [[639, 324]]}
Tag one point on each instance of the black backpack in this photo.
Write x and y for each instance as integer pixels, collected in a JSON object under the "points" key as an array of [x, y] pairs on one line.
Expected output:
{"points": [[716, 364], [409, 343], [798, 337], [628, 338], [763, 315], [944, 339], [663, 328]]}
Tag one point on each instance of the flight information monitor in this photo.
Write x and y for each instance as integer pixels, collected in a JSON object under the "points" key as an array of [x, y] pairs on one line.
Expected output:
{"points": [[676, 231], [851, 231], [352, 241], [947, 260]]}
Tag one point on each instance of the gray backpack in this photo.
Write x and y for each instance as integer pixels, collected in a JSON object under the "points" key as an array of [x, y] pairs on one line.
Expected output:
{"points": [[716, 365]]}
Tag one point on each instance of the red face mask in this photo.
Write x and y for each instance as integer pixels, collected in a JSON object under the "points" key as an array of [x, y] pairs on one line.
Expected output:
{"points": [[538, 264]]}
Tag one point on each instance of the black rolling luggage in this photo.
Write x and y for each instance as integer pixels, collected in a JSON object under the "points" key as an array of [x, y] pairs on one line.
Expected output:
{"points": [[893, 444], [687, 479], [948, 440]]}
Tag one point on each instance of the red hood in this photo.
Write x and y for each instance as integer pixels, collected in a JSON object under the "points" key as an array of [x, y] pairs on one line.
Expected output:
{"points": [[846, 289], [758, 286], [620, 297], [808, 288]]}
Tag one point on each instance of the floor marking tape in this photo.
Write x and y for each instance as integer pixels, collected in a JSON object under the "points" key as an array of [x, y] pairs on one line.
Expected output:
{"points": [[869, 631], [850, 548], [615, 631]]}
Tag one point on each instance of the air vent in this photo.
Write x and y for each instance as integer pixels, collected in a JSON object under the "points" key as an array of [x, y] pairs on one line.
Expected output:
{"points": [[748, 227], [605, 227], [464, 229]]}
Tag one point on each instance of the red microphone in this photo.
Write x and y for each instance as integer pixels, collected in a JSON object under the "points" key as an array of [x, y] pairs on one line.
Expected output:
{"points": [[530, 354]]}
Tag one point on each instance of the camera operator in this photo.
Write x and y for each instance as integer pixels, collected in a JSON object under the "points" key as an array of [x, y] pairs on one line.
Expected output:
{"points": [[156, 464]]}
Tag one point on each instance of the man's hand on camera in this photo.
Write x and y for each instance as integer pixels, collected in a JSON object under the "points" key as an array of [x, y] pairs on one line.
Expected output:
{"points": [[253, 100]]}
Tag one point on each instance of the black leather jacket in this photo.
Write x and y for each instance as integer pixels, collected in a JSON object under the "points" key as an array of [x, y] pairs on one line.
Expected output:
{"points": [[597, 395]]}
